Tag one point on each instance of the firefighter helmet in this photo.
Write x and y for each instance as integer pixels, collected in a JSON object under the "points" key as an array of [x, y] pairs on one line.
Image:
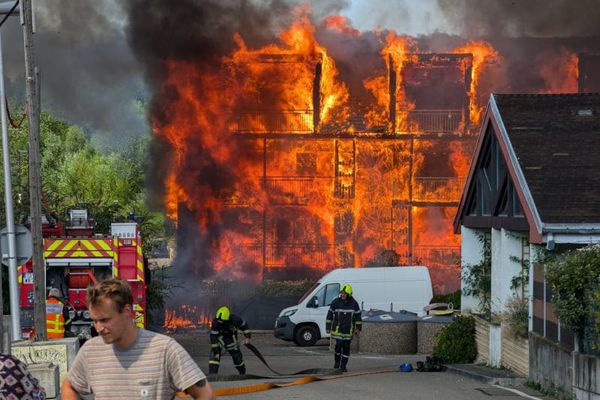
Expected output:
{"points": [[223, 313], [346, 288]]}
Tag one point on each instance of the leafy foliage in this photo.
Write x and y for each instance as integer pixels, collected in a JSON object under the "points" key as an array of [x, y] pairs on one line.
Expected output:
{"points": [[75, 174], [453, 298], [455, 344], [574, 280], [517, 316], [264, 289], [284, 288]]}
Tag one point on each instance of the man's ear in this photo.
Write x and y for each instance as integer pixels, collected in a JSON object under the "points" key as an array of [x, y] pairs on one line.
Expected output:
{"points": [[127, 309]]}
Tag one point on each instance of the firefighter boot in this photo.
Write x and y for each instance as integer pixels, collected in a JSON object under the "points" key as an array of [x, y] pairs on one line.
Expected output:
{"points": [[241, 369], [336, 363], [213, 369], [343, 364]]}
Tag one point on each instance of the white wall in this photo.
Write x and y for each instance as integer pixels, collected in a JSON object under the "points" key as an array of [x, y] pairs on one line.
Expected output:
{"points": [[471, 250], [506, 249]]}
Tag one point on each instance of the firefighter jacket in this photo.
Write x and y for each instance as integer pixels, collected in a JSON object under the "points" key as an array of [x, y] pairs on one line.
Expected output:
{"points": [[224, 333], [55, 318], [343, 318]]}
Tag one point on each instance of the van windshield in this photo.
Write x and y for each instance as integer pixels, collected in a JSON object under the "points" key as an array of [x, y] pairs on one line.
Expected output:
{"points": [[309, 291]]}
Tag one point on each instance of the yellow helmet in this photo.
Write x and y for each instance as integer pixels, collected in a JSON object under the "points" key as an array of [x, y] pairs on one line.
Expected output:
{"points": [[346, 288], [223, 313]]}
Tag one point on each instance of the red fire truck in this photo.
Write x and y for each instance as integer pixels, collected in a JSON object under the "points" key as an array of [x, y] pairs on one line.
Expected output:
{"points": [[76, 257]]}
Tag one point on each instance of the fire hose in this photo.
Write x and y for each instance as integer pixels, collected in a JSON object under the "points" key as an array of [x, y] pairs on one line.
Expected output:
{"points": [[309, 375]]}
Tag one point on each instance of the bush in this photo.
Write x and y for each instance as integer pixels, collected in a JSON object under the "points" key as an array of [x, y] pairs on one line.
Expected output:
{"points": [[517, 316], [453, 298], [455, 344], [284, 288], [573, 278]]}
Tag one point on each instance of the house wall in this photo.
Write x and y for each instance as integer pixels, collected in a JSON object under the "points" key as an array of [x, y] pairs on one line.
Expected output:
{"points": [[506, 253], [471, 249]]}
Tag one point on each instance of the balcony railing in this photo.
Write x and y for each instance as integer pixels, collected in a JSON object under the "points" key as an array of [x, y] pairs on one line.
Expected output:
{"points": [[296, 190], [290, 121], [435, 121], [437, 189], [430, 189], [292, 255]]}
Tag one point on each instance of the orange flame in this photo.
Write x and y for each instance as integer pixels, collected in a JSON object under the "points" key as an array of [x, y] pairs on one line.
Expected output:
{"points": [[185, 317], [319, 202], [340, 24], [561, 74], [483, 53]]}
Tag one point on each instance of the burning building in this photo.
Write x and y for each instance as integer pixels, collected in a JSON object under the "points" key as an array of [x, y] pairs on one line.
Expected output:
{"points": [[318, 177], [323, 147]]}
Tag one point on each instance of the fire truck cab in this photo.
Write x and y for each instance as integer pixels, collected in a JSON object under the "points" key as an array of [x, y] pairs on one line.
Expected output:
{"points": [[75, 257]]}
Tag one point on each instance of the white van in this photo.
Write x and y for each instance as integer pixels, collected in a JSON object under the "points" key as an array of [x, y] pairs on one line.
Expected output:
{"points": [[385, 288]]}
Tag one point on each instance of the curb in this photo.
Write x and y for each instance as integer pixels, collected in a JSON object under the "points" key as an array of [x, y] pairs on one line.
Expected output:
{"points": [[491, 380]]}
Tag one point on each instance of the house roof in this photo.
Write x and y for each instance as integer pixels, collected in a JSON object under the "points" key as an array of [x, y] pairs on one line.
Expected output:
{"points": [[551, 145]]}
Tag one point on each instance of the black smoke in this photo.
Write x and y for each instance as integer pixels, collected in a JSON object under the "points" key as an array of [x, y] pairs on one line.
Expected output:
{"points": [[89, 76]]}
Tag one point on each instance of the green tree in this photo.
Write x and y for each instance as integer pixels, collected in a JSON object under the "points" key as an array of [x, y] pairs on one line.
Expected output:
{"points": [[75, 174], [574, 280]]}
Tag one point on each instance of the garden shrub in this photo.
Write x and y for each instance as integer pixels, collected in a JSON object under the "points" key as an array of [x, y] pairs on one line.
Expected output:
{"points": [[455, 344], [574, 281], [453, 298]]}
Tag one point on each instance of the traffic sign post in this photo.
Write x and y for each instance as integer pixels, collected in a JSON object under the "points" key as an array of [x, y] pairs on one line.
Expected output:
{"points": [[23, 243]]}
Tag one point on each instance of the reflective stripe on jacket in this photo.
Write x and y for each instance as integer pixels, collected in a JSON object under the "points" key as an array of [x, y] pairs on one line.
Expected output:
{"points": [[224, 333], [55, 320], [343, 318]]}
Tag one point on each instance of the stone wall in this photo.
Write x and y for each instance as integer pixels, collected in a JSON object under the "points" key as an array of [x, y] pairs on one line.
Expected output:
{"points": [[586, 382], [427, 331], [400, 338], [60, 352], [550, 364]]}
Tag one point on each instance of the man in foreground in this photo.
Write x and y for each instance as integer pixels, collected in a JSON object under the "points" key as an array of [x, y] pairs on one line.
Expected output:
{"points": [[128, 362]]}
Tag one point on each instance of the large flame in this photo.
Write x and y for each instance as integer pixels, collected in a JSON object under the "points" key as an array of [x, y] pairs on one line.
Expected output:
{"points": [[482, 53], [266, 186]]}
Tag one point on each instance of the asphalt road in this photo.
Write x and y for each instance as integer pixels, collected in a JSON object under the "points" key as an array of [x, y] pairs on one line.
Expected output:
{"points": [[287, 358]]}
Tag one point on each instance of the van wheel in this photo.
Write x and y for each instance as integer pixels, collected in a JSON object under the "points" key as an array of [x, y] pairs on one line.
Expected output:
{"points": [[306, 335]]}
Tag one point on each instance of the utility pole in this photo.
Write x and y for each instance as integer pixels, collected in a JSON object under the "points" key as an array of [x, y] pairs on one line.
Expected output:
{"points": [[33, 101], [8, 9]]}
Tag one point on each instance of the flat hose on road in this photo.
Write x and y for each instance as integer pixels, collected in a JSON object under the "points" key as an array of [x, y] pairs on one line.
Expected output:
{"points": [[310, 375]]}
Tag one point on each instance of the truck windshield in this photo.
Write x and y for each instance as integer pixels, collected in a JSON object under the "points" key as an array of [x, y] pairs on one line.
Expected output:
{"points": [[309, 291]]}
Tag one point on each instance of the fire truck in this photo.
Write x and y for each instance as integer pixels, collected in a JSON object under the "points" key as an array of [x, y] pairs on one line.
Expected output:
{"points": [[76, 257]]}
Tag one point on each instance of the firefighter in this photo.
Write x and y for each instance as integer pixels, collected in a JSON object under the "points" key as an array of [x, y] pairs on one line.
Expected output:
{"points": [[57, 315], [343, 321], [223, 335]]}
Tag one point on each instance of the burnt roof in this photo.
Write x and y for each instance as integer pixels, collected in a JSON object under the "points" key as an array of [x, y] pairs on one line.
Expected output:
{"points": [[556, 139]]}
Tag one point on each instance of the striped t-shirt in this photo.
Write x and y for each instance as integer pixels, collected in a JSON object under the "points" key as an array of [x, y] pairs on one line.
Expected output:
{"points": [[154, 367]]}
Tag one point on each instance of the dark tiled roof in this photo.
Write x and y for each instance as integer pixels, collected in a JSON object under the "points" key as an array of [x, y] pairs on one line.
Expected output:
{"points": [[556, 139]]}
